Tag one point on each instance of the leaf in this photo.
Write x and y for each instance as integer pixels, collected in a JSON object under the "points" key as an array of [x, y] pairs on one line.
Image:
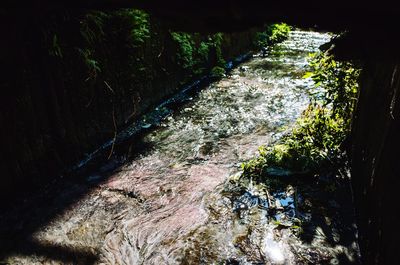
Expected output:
{"points": [[308, 75]]}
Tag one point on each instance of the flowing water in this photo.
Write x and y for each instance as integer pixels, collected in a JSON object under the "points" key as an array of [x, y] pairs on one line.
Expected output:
{"points": [[175, 202]]}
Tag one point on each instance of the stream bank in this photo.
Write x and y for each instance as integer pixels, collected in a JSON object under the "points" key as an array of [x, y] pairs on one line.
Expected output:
{"points": [[174, 202]]}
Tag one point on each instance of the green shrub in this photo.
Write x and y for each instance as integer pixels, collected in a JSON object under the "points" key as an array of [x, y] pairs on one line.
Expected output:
{"points": [[129, 26], [203, 52], [197, 54], [272, 34], [140, 26], [277, 33], [217, 71], [339, 83], [315, 143], [217, 43], [185, 48]]}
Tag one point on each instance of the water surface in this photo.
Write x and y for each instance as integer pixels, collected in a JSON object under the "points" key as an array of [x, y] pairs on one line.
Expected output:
{"points": [[174, 203]]}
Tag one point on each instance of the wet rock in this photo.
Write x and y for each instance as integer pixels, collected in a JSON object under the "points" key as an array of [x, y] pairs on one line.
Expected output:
{"points": [[244, 68]]}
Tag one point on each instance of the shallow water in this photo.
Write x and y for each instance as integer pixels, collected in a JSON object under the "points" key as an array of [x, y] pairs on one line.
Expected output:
{"points": [[174, 204]]}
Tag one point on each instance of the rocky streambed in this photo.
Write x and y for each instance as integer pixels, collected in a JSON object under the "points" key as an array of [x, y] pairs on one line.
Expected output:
{"points": [[179, 198]]}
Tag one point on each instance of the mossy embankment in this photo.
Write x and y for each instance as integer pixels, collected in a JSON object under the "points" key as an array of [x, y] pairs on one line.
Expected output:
{"points": [[316, 145]]}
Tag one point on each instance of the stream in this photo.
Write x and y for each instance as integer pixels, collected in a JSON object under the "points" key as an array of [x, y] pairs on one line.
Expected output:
{"points": [[181, 200]]}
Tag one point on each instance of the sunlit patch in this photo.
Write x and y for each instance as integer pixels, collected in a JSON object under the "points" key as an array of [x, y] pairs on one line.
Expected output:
{"points": [[273, 251]]}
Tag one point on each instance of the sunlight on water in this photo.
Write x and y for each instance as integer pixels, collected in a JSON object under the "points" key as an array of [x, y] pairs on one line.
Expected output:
{"points": [[171, 204], [195, 149]]}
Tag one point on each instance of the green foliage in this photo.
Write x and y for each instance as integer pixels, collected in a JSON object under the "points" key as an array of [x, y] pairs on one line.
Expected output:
{"points": [[201, 57], [315, 142], [312, 146], [101, 30], [338, 80], [91, 64], [273, 34], [217, 71], [140, 26], [277, 32], [186, 47], [196, 56], [217, 44], [203, 51]]}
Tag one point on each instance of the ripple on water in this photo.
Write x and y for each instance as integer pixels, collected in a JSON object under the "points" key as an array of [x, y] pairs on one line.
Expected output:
{"points": [[181, 214], [224, 124]]}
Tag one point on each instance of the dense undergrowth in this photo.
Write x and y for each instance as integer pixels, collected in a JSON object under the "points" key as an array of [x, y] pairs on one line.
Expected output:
{"points": [[202, 54], [192, 54], [199, 54], [137, 47], [127, 47], [316, 144]]}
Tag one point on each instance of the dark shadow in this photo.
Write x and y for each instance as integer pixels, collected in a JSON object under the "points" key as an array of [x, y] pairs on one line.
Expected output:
{"points": [[331, 215], [21, 217], [58, 253]]}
